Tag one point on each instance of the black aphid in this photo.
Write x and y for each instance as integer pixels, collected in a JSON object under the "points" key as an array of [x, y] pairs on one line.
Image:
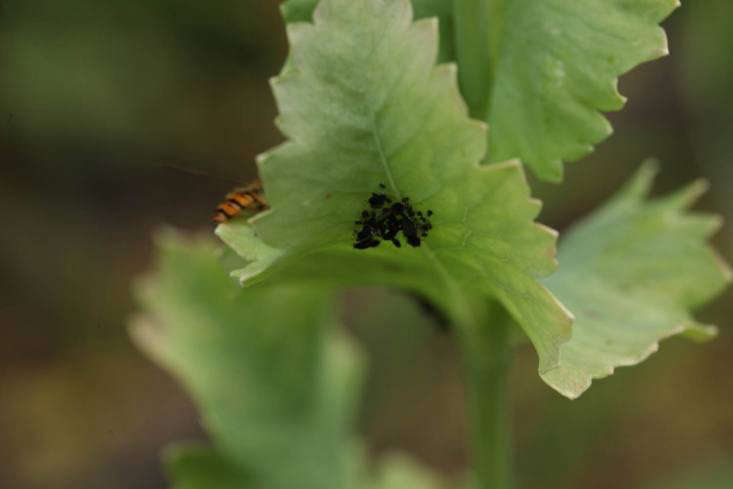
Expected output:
{"points": [[387, 219], [370, 243], [377, 200]]}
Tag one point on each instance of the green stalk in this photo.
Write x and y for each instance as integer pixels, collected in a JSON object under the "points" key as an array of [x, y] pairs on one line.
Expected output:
{"points": [[487, 355], [478, 26], [486, 345]]}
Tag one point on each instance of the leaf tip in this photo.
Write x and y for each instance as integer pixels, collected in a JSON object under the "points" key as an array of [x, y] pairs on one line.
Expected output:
{"points": [[725, 269], [551, 250], [700, 333], [554, 171], [663, 48], [261, 158], [450, 71], [148, 337], [286, 10], [295, 30], [222, 229], [641, 182], [690, 194], [428, 22], [551, 231], [568, 383]]}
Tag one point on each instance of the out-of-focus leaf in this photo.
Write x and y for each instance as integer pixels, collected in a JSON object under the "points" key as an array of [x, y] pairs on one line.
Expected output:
{"points": [[631, 273], [400, 472], [275, 387], [717, 474], [197, 466], [362, 102]]}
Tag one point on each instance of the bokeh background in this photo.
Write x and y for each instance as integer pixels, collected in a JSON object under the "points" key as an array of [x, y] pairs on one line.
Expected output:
{"points": [[119, 116]]}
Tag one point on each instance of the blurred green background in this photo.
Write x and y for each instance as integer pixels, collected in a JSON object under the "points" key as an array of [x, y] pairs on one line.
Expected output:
{"points": [[119, 116]]}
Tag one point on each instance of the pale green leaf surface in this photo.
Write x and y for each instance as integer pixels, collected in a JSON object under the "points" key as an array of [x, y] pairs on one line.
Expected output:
{"points": [[551, 67], [242, 238], [276, 390], [302, 11], [631, 273], [361, 102], [557, 64]]}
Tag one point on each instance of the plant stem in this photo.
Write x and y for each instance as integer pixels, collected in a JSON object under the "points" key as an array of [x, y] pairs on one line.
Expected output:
{"points": [[478, 26], [486, 348], [487, 354]]}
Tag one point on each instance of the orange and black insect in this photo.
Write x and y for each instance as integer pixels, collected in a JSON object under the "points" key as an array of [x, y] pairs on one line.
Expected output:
{"points": [[249, 199]]}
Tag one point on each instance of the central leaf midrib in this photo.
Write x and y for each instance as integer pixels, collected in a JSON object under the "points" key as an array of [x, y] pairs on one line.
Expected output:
{"points": [[451, 282], [383, 159]]}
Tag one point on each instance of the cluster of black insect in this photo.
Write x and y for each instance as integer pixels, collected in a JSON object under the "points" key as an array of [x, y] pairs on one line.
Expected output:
{"points": [[385, 219]]}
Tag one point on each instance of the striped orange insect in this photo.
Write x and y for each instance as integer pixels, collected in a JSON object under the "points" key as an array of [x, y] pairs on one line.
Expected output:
{"points": [[249, 199]]}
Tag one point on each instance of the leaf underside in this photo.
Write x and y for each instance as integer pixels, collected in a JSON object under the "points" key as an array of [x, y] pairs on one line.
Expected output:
{"points": [[361, 103], [631, 273], [558, 63], [554, 67]]}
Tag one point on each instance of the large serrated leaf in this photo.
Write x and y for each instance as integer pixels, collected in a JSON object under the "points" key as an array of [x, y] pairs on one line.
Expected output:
{"points": [[302, 11], [556, 66], [631, 273], [541, 72], [362, 102]]}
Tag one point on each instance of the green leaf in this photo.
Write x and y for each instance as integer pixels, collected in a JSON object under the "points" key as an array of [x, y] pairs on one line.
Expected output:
{"points": [[400, 472], [275, 387], [556, 66], [302, 11], [197, 466], [540, 72], [298, 10], [361, 102], [631, 273]]}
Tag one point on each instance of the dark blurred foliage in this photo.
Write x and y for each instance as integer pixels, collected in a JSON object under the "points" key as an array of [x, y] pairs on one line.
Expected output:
{"points": [[118, 116]]}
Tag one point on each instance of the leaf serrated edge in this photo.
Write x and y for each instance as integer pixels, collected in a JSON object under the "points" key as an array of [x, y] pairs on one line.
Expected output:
{"points": [[637, 190]]}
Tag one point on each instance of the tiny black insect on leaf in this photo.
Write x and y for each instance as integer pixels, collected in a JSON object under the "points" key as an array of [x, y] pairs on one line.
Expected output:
{"points": [[376, 201], [387, 219]]}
